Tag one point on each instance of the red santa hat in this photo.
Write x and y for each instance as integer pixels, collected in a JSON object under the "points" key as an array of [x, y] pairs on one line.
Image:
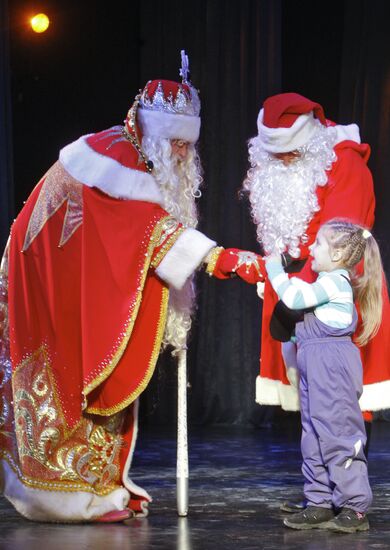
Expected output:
{"points": [[287, 121], [169, 110]]}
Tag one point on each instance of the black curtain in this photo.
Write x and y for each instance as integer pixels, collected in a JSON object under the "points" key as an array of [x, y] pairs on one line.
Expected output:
{"points": [[6, 183], [312, 42], [365, 98]]}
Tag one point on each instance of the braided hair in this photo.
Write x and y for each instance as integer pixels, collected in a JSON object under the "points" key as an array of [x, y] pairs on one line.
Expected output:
{"points": [[355, 244]]}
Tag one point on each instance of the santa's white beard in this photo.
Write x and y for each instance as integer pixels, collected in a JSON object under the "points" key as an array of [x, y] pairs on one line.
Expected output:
{"points": [[283, 197], [179, 183]]}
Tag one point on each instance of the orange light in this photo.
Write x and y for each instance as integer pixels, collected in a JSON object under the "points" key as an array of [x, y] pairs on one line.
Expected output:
{"points": [[40, 22]]}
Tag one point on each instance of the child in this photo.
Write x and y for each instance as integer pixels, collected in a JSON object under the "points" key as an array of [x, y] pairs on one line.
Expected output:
{"points": [[333, 434]]}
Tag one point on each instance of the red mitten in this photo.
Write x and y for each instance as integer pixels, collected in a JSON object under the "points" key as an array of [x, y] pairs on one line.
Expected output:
{"points": [[233, 261]]}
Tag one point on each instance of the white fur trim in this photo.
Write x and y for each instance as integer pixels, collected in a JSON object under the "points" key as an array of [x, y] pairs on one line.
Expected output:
{"points": [[57, 506], [375, 397], [127, 482], [283, 140], [169, 126], [96, 170], [349, 132], [260, 290], [273, 392], [184, 257]]}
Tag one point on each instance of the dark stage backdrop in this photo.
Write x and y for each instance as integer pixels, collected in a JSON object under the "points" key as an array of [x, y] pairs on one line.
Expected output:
{"points": [[365, 98], [83, 74], [6, 182]]}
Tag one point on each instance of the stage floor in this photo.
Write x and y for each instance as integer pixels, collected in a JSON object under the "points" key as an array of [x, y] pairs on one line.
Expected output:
{"points": [[238, 478]]}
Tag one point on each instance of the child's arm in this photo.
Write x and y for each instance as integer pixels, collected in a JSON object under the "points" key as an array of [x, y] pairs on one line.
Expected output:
{"points": [[296, 296]]}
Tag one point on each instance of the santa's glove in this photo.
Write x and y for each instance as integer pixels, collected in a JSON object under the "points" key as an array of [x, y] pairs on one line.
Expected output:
{"points": [[231, 262]]}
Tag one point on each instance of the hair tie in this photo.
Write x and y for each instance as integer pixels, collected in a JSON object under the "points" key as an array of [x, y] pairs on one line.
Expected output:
{"points": [[366, 234]]}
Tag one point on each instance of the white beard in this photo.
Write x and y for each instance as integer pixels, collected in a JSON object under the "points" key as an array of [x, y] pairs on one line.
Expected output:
{"points": [[179, 185], [283, 197]]}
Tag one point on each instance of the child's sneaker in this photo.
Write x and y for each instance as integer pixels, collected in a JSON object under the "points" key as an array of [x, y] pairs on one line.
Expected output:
{"points": [[349, 521], [313, 517]]}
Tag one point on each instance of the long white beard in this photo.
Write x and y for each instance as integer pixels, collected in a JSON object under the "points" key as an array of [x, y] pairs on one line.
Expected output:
{"points": [[283, 197], [179, 185]]}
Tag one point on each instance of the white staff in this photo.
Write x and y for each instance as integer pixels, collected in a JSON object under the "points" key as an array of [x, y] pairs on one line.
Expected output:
{"points": [[182, 440]]}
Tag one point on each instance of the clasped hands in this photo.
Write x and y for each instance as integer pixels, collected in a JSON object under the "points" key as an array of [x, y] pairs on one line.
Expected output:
{"points": [[247, 265]]}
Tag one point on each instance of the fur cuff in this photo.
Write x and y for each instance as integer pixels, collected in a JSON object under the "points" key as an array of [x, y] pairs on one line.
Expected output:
{"points": [[184, 257]]}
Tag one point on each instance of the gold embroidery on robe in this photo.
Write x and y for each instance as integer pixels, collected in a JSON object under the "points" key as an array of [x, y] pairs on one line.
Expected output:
{"points": [[48, 457]]}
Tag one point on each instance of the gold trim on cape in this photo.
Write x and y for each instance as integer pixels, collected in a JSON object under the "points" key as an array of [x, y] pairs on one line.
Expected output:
{"points": [[152, 363], [108, 369]]}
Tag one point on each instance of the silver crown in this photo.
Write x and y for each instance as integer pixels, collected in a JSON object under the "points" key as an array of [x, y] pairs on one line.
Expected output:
{"points": [[185, 102]]}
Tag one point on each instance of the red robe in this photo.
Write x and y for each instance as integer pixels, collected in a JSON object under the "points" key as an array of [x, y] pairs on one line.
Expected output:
{"points": [[349, 193], [87, 271]]}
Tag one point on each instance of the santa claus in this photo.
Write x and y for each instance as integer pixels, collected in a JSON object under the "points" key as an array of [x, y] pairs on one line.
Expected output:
{"points": [[306, 170], [96, 277]]}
